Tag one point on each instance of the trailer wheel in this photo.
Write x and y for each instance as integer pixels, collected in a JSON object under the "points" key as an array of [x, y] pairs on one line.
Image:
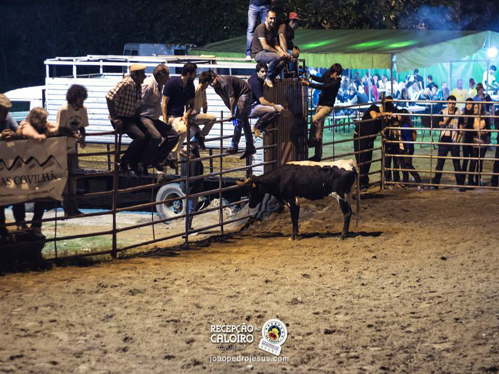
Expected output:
{"points": [[172, 208]]}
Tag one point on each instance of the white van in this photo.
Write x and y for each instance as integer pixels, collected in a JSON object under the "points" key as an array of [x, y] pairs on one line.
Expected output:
{"points": [[25, 99]]}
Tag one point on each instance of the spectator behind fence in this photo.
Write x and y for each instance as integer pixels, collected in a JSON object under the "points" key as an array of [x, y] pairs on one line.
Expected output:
{"points": [[257, 8], [472, 89], [459, 93], [236, 94], [404, 95], [392, 149], [8, 128], [123, 103], [368, 128], [482, 96], [449, 121], [480, 141], [265, 48], [261, 108], [414, 92], [157, 151], [72, 118], [467, 136], [429, 82], [490, 77], [178, 102], [444, 92], [407, 134], [495, 178], [330, 84], [36, 127]]}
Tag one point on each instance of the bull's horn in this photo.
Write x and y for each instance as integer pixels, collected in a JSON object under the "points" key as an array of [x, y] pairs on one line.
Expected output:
{"points": [[243, 182]]}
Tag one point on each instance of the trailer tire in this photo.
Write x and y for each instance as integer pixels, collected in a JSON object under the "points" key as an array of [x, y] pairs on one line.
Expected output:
{"points": [[174, 208]]}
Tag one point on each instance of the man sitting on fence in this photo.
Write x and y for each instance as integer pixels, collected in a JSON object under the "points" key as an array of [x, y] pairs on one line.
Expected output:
{"points": [[449, 121], [200, 114], [261, 108], [178, 102], [265, 48], [157, 151], [123, 103]]}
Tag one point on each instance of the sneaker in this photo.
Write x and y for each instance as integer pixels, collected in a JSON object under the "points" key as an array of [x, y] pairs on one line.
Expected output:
{"points": [[249, 58], [433, 188], [269, 83], [247, 153], [232, 150], [257, 132]]}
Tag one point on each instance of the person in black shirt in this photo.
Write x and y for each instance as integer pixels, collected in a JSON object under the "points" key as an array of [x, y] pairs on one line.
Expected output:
{"points": [[257, 10], [331, 81], [286, 33], [365, 134], [236, 94], [265, 48], [261, 108]]}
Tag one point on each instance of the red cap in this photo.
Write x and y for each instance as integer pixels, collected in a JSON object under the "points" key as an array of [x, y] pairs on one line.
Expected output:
{"points": [[294, 15]]}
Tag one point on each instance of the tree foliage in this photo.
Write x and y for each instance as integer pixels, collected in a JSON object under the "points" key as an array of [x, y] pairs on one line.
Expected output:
{"points": [[33, 30]]}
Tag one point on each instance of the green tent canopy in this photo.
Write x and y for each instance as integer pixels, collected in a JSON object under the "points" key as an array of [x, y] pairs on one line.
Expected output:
{"points": [[373, 49]]}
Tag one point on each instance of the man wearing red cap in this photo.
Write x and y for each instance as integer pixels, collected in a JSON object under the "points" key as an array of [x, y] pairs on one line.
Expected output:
{"points": [[286, 33]]}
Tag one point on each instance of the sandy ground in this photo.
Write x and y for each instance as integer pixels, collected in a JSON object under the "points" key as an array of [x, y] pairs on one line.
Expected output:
{"points": [[415, 290]]}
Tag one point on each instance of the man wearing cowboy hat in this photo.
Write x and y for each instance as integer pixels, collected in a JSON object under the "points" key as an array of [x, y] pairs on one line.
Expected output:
{"points": [[124, 102]]}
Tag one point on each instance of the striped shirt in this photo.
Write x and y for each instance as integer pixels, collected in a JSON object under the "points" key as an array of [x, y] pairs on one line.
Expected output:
{"points": [[126, 97]]}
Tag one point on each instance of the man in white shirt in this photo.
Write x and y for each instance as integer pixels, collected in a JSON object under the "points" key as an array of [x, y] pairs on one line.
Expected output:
{"points": [[157, 150], [490, 76]]}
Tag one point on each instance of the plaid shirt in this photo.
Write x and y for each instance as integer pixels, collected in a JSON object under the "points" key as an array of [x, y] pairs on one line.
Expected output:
{"points": [[126, 97]]}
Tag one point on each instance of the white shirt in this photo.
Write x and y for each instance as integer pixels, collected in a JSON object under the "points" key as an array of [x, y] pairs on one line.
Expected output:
{"points": [[151, 99], [68, 117]]}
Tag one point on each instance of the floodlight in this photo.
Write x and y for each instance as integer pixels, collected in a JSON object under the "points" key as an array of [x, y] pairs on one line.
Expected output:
{"points": [[492, 52]]}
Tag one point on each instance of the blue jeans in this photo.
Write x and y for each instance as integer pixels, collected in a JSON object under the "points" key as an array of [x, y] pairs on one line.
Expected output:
{"points": [[272, 60], [253, 12]]}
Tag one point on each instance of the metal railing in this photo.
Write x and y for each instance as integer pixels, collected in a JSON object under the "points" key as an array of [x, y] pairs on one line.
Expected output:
{"points": [[224, 175]]}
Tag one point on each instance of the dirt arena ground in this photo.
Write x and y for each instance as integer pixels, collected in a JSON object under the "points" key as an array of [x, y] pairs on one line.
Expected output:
{"points": [[415, 290]]}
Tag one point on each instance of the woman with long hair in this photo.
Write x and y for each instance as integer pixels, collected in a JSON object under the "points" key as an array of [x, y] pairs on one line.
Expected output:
{"points": [[481, 139]]}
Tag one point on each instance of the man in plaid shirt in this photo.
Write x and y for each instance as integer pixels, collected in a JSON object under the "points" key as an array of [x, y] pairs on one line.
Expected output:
{"points": [[124, 102]]}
